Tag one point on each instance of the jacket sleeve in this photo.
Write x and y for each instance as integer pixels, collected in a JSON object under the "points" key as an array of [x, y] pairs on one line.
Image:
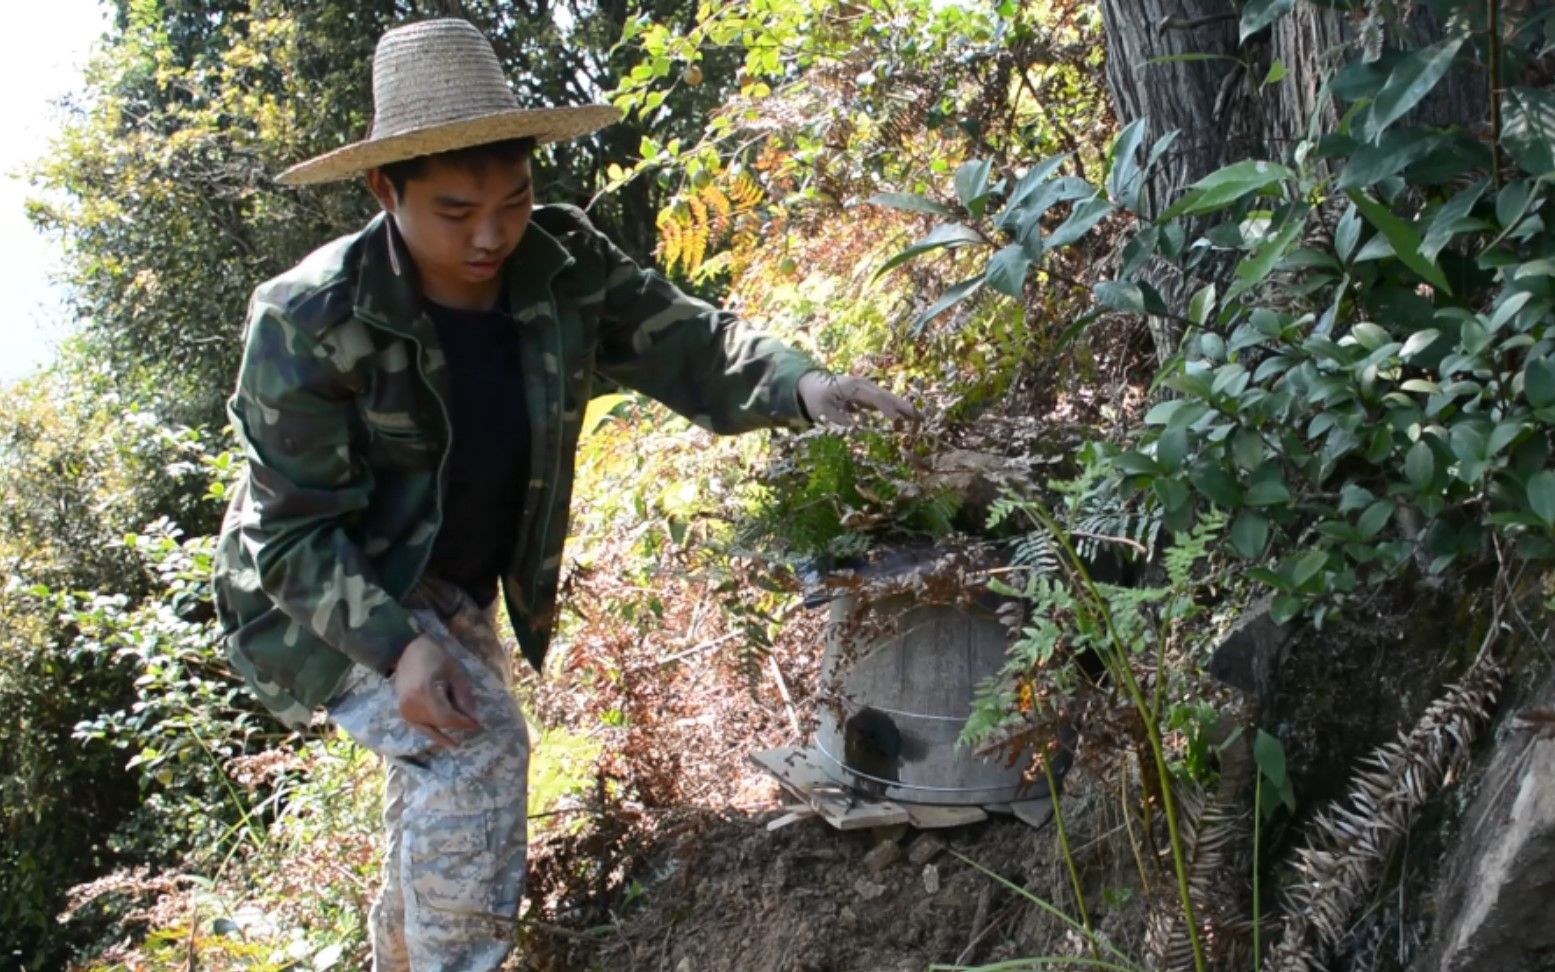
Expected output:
{"points": [[704, 363], [293, 412]]}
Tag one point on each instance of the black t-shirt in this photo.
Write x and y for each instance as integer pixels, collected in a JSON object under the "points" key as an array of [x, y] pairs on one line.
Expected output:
{"points": [[488, 466]]}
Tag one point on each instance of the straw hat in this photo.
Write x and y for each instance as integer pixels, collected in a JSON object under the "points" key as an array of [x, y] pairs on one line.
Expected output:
{"points": [[437, 87]]}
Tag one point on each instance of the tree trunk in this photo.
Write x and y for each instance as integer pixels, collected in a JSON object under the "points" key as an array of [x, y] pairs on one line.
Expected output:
{"points": [[1220, 107]]}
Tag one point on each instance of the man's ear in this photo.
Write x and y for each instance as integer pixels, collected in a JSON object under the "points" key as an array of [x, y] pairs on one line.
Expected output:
{"points": [[382, 189]]}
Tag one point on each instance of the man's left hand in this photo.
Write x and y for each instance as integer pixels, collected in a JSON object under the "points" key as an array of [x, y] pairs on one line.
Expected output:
{"points": [[837, 399]]}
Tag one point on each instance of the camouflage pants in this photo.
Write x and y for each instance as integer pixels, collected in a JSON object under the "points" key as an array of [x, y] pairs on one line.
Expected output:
{"points": [[453, 868]]}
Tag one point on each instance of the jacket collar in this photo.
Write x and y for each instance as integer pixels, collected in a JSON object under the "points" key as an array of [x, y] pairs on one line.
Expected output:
{"points": [[387, 293]]}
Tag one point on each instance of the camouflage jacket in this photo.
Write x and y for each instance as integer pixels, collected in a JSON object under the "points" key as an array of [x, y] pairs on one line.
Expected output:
{"points": [[340, 407]]}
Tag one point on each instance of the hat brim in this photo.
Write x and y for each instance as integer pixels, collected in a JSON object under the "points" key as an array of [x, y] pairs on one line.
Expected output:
{"points": [[542, 124]]}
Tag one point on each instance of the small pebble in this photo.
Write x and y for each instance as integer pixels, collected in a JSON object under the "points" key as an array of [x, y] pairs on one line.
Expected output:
{"points": [[925, 849], [868, 890], [930, 878], [882, 856]]}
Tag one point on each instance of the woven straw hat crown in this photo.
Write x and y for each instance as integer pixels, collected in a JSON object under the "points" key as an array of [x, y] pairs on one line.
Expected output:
{"points": [[438, 87]]}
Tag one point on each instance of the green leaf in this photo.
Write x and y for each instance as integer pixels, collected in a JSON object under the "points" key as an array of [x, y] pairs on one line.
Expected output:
{"points": [[1375, 518], [1539, 382], [1270, 757], [1452, 219], [1085, 216], [1370, 164], [1121, 295], [942, 236], [1125, 180], [910, 202], [1270, 492], [971, 182], [1172, 493], [1412, 78], [1250, 534], [1277, 72], [1252, 270], [1285, 607], [1202, 305], [1258, 14], [1034, 178], [1541, 496], [1226, 185], [1420, 465], [1418, 342], [1405, 241], [1217, 484], [1348, 233], [1171, 448], [1308, 565], [1248, 449], [1369, 336], [1007, 271], [949, 299], [1528, 131]]}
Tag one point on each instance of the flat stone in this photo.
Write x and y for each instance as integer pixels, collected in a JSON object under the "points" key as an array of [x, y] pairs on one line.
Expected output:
{"points": [[882, 856], [930, 878], [925, 849], [868, 890], [1248, 658], [1500, 880]]}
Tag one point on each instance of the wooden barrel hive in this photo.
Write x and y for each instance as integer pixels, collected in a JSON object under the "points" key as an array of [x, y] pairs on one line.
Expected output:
{"points": [[899, 701]]}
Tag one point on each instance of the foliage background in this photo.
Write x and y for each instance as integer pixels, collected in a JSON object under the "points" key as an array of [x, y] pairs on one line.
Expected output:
{"points": [[1344, 383]]}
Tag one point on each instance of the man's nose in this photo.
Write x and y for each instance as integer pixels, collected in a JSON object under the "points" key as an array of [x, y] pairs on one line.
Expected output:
{"points": [[488, 234]]}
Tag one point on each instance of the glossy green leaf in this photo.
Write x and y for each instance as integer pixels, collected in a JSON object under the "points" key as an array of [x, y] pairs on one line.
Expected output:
{"points": [[1412, 78], [1308, 565], [1258, 14], [1202, 305], [910, 202], [941, 237], [1371, 163], [1418, 342], [1006, 271], [1541, 496], [1267, 493], [1226, 185], [971, 181], [1250, 534], [1218, 485], [1376, 517], [1452, 219], [949, 299], [1539, 382], [1528, 129], [1121, 295], [1082, 220], [1420, 465], [1125, 180], [1404, 239], [1252, 270]]}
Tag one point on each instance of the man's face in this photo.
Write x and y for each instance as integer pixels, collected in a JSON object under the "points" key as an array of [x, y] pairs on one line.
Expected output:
{"points": [[459, 224]]}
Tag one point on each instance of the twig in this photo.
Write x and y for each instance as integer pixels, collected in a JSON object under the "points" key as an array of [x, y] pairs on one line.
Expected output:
{"points": [[694, 650], [1495, 91], [788, 702], [979, 925]]}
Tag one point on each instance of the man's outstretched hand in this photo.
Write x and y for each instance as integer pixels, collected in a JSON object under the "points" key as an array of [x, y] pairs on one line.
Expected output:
{"points": [[837, 399], [434, 692]]}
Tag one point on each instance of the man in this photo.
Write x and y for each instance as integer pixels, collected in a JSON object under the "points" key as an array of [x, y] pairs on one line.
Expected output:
{"points": [[410, 402]]}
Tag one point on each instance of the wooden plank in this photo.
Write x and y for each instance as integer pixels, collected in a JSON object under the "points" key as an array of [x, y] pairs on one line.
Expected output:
{"points": [[800, 773], [1034, 813], [793, 816], [934, 816]]}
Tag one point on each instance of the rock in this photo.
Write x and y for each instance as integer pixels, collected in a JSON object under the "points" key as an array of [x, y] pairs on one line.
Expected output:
{"points": [[1249, 656], [884, 854], [1496, 889], [684, 966], [868, 890], [925, 849], [930, 878]]}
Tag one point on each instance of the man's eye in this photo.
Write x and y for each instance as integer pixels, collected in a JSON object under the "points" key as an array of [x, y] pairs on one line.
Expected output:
{"points": [[454, 217]]}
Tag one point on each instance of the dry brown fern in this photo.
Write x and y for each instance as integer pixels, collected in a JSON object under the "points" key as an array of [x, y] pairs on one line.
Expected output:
{"points": [[1349, 844], [1216, 834]]}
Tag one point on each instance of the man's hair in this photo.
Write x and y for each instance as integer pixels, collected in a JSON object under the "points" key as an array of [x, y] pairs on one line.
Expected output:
{"points": [[475, 157]]}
